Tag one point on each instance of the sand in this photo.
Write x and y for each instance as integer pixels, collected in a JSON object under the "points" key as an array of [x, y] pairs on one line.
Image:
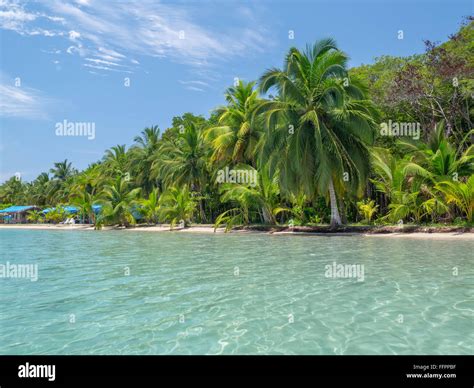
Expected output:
{"points": [[210, 229]]}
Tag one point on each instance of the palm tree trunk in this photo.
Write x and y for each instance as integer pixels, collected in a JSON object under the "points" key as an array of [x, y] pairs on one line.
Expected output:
{"points": [[342, 213], [267, 216], [335, 217], [202, 212]]}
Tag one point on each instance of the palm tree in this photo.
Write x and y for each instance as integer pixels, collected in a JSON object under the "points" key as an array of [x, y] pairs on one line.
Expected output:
{"points": [[367, 209], [261, 200], [118, 202], [116, 159], [59, 187], [56, 215], [150, 207], [438, 160], [460, 194], [183, 161], [177, 205], [236, 138], [85, 202], [12, 191], [62, 170], [321, 125], [35, 216], [143, 154], [39, 189]]}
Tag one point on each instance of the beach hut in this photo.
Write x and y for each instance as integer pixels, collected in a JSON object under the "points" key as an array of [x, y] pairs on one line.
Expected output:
{"points": [[16, 214]]}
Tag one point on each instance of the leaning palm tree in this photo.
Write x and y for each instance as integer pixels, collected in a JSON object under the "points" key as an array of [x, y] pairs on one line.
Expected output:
{"points": [[320, 126], [237, 136]]}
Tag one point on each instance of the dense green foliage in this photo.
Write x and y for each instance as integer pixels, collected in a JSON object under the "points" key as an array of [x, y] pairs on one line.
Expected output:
{"points": [[302, 145]]}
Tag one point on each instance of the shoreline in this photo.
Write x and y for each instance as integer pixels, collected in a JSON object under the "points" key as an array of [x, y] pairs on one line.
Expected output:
{"points": [[408, 231]]}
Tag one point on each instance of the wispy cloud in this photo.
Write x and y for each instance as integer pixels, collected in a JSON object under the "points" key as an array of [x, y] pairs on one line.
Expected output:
{"points": [[194, 85], [14, 16], [22, 102], [201, 83], [113, 31]]}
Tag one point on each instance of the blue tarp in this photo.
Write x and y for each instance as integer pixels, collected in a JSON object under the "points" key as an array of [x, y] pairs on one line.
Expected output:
{"points": [[16, 209], [73, 209], [67, 209]]}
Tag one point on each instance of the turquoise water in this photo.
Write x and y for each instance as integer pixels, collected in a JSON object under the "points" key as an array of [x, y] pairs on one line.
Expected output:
{"points": [[234, 294]]}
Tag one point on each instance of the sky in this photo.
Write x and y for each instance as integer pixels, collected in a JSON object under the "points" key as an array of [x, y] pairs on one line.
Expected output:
{"points": [[121, 66]]}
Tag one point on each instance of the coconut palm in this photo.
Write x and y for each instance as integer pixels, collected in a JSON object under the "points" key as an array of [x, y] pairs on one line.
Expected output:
{"points": [[460, 194], [38, 190], [56, 215], [60, 184], [177, 205], [143, 154], [119, 202], [438, 160], [12, 191], [236, 138], [85, 202], [183, 161], [150, 207], [35, 216], [321, 125], [116, 159], [259, 202]]}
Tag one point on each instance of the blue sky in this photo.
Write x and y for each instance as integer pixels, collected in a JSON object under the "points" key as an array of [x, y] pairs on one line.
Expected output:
{"points": [[69, 60]]}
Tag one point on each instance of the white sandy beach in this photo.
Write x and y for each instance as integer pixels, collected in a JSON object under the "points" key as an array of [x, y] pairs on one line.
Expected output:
{"points": [[210, 229]]}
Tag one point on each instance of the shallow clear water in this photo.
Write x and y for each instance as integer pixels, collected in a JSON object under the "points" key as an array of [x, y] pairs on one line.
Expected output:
{"points": [[234, 294]]}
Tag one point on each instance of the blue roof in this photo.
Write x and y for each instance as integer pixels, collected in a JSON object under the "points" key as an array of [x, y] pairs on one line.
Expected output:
{"points": [[73, 209], [16, 209], [67, 209], [70, 209]]}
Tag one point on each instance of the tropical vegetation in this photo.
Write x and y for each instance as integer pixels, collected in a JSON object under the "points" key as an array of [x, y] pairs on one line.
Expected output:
{"points": [[307, 135]]}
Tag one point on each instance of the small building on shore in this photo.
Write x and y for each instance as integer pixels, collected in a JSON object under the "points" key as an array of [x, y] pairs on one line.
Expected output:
{"points": [[16, 214]]}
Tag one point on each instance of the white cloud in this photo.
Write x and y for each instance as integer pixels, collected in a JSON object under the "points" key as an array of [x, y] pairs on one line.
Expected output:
{"points": [[21, 102], [14, 17], [107, 68], [109, 30], [73, 35], [202, 83], [194, 89]]}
